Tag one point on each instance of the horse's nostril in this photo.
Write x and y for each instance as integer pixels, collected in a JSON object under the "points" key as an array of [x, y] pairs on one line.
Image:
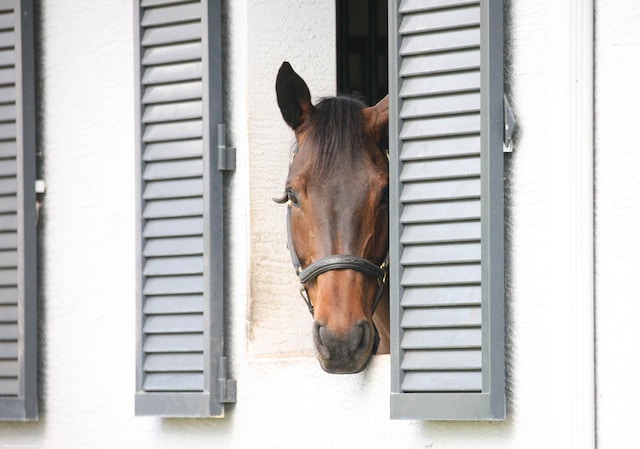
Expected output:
{"points": [[356, 337], [325, 336]]}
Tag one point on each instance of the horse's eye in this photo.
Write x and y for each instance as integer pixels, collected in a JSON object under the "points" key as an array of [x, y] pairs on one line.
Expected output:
{"points": [[293, 198]]}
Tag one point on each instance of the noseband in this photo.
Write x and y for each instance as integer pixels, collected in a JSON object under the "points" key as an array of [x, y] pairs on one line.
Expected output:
{"points": [[333, 262]]}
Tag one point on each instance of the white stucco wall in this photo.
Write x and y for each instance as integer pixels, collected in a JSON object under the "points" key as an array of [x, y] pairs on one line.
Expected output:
{"points": [[617, 222], [284, 399]]}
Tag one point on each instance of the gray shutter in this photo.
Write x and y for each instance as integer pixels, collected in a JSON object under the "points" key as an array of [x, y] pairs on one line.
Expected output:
{"points": [[180, 360], [18, 274], [447, 228]]}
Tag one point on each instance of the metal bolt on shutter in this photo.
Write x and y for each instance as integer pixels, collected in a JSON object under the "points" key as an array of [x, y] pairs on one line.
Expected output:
{"points": [[446, 231], [181, 365]]}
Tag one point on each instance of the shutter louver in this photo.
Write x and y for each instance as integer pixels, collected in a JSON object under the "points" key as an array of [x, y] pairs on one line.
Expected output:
{"points": [[180, 210], [447, 266], [18, 277]]}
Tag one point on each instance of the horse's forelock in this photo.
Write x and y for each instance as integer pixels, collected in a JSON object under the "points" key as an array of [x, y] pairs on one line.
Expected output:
{"points": [[336, 130]]}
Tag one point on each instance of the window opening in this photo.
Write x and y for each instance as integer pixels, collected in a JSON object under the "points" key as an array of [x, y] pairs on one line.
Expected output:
{"points": [[362, 49]]}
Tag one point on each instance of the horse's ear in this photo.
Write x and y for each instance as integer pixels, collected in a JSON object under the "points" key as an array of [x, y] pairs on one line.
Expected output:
{"points": [[293, 95], [377, 118]]}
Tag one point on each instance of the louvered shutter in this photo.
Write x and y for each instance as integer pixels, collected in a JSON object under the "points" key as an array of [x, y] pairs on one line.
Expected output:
{"points": [[180, 363], [18, 277], [447, 227]]}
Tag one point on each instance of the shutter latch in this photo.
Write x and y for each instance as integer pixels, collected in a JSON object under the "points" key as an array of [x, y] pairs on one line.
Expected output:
{"points": [[226, 387], [226, 155], [510, 124]]}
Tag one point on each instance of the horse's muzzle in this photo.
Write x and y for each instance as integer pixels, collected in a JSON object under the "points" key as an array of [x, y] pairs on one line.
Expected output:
{"points": [[344, 353]]}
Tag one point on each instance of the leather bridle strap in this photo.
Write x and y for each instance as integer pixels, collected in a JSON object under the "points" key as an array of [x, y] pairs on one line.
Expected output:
{"points": [[334, 262], [340, 262]]}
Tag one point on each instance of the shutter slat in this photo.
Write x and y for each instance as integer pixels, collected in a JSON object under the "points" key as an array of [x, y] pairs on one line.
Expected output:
{"points": [[183, 246], [174, 265], [173, 324], [174, 382], [443, 105], [172, 34], [8, 331], [9, 386], [190, 168], [8, 240], [8, 258], [438, 84], [441, 41], [441, 148], [444, 211], [441, 232], [7, 57], [441, 275], [8, 167], [173, 285], [442, 296], [174, 227], [440, 169], [172, 112], [174, 343], [8, 149], [446, 254], [8, 278], [426, 64], [441, 339], [190, 129], [408, 6], [8, 350], [6, 20], [183, 188], [187, 71], [443, 381], [171, 14], [7, 76], [172, 92], [446, 317], [435, 20], [174, 362], [8, 222], [441, 190], [8, 295], [187, 207], [184, 149], [172, 53], [443, 360], [441, 126], [158, 305]]}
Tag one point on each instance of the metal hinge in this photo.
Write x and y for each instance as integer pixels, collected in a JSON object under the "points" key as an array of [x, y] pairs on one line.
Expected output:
{"points": [[510, 124], [226, 155], [226, 387]]}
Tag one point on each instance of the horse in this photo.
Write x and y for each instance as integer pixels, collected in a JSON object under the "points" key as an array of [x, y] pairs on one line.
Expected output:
{"points": [[337, 191]]}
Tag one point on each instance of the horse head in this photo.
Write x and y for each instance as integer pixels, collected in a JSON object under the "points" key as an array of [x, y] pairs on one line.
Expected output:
{"points": [[337, 193]]}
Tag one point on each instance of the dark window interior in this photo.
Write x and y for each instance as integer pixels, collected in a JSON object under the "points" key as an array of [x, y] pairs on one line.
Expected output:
{"points": [[362, 49]]}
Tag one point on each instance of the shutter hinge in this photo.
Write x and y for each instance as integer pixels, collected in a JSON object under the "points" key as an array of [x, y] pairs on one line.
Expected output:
{"points": [[226, 155], [226, 387], [510, 124]]}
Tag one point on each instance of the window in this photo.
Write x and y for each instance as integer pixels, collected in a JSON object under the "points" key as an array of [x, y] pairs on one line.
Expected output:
{"points": [[362, 49]]}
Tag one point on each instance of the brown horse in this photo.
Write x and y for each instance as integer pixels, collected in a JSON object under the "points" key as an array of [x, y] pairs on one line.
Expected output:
{"points": [[337, 192]]}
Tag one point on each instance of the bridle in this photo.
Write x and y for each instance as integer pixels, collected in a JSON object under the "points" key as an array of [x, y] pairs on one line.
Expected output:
{"points": [[333, 262]]}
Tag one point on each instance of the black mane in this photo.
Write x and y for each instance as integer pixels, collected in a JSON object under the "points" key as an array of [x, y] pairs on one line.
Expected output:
{"points": [[336, 128]]}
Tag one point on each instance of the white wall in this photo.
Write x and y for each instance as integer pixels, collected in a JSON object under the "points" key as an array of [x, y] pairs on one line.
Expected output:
{"points": [[617, 222], [284, 399]]}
